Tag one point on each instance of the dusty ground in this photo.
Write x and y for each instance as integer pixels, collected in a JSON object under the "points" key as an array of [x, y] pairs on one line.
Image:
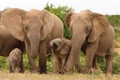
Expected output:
{"points": [[5, 75]]}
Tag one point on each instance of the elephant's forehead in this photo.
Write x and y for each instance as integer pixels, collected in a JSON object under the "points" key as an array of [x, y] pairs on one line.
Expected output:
{"points": [[17, 50], [76, 19], [58, 39], [32, 13]]}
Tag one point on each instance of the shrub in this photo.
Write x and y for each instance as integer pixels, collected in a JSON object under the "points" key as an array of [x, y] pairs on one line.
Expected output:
{"points": [[116, 63], [3, 63]]}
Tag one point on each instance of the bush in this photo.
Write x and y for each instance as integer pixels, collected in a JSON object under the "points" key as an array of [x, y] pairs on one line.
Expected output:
{"points": [[3, 63], [26, 62], [49, 63], [116, 63], [61, 12], [102, 63], [117, 44]]}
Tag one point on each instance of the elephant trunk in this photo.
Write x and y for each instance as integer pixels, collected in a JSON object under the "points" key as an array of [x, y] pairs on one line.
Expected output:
{"points": [[76, 45], [34, 46], [77, 42]]}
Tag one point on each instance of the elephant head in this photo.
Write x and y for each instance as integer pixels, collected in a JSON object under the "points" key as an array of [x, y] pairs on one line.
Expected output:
{"points": [[86, 27], [62, 46], [29, 26], [86, 23], [56, 44]]}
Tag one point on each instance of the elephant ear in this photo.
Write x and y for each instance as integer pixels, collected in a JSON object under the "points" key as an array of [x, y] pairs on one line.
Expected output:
{"points": [[12, 20], [66, 48], [68, 18], [99, 23], [48, 23]]}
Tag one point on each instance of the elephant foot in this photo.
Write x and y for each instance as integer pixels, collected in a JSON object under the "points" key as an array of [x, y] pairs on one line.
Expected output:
{"points": [[68, 70], [79, 70], [90, 71], [93, 70], [61, 72], [33, 71], [108, 75], [22, 70], [56, 72], [42, 71], [87, 71], [68, 73]]}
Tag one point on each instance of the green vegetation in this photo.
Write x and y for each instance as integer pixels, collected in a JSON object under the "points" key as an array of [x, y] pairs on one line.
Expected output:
{"points": [[61, 13]]}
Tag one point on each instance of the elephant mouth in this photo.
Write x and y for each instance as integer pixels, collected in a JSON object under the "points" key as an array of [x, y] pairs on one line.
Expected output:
{"points": [[55, 47]]}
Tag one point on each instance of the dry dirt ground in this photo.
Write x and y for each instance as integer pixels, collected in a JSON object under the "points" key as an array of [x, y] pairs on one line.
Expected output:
{"points": [[5, 75]]}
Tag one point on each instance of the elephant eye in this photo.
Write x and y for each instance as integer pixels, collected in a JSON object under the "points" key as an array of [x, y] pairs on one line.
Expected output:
{"points": [[26, 27], [87, 28]]}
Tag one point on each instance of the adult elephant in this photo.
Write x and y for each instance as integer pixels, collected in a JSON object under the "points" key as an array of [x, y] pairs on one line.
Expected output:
{"points": [[93, 34], [36, 28], [8, 43]]}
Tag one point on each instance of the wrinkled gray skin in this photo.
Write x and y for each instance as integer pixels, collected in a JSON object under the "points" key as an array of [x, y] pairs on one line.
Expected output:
{"points": [[8, 43], [36, 28], [60, 50], [93, 34], [15, 60]]}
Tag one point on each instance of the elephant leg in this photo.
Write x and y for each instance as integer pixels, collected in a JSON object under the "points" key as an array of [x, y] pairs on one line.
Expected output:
{"points": [[108, 64], [109, 61], [42, 58], [13, 67], [22, 69], [33, 67], [63, 61], [90, 53], [77, 64], [59, 65], [69, 64], [73, 55], [55, 64], [10, 68], [95, 66], [72, 60], [42, 62]]}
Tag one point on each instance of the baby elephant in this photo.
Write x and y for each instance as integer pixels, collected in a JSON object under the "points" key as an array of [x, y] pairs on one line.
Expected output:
{"points": [[15, 59], [60, 51]]}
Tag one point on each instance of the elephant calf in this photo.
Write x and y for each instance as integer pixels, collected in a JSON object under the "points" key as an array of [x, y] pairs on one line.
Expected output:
{"points": [[60, 50], [15, 60]]}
